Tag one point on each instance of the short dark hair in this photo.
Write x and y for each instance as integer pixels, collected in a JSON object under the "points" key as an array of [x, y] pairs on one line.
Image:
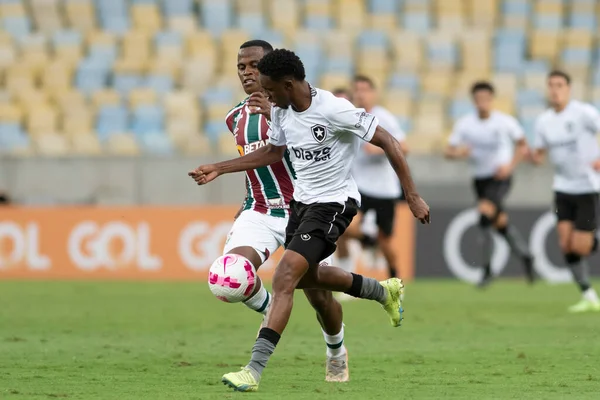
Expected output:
{"points": [[482, 85], [365, 79], [560, 74], [266, 46], [340, 90], [282, 63]]}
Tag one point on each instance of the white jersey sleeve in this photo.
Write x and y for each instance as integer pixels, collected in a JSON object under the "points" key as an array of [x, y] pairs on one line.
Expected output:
{"points": [[276, 134], [345, 117], [539, 142], [456, 137], [591, 118], [515, 131]]}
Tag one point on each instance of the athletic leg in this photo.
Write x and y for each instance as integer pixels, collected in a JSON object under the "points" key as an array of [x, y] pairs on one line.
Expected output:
{"points": [[386, 217], [487, 211], [582, 242], [516, 242]]}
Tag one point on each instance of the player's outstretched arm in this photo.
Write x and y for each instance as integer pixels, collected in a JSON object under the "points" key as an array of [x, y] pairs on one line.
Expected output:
{"points": [[537, 156], [393, 151], [456, 152], [262, 157]]}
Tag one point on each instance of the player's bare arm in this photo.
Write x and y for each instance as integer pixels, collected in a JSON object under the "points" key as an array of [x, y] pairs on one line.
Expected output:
{"points": [[537, 156], [374, 150], [393, 152], [456, 152], [520, 153], [262, 157]]}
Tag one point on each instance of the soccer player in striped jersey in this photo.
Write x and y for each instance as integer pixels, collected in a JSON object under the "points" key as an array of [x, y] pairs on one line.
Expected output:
{"points": [[260, 225]]}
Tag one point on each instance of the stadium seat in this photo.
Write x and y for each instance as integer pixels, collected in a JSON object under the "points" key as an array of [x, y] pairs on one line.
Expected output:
{"points": [[184, 24], [125, 83], [142, 96], [418, 22], [85, 145], [111, 120], [196, 145], [52, 145], [80, 15], [146, 17], [350, 14], [483, 14], [13, 141], [408, 51], [91, 75], [10, 114], [288, 15], [147, 119], [544, 45], [226, 145], [156, 143], [42, 120], [216, 16], [178, 7], [122, 144]]}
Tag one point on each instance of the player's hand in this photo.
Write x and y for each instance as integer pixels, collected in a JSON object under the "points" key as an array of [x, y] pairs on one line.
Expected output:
{"points": [[503, 172], [204, 174], [596, 165], [419, 208], [258, 104], [465, 152]]}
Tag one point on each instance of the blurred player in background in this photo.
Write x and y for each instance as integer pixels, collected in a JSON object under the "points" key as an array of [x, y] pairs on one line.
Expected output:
{"points": [[342, 93], [259, 228], [487, 138], [322, 133], [377, 182], [568, 132]]}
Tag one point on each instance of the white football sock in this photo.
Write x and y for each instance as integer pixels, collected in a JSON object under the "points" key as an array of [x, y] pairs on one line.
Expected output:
{"points": [[591, 296], [260, 302], [335, 344]]}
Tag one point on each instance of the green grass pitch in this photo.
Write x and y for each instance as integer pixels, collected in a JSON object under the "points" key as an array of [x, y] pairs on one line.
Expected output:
{"points": [[174, 341]]}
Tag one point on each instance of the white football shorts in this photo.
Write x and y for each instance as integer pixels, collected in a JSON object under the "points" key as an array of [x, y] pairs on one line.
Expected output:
{"points": [[264, 233]]}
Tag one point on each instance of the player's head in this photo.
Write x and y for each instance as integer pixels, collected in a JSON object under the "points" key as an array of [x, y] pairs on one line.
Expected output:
{"points": [[559, 88], [482, 93], [364, 93], [249, 55], [342, 93], [281, 71]]}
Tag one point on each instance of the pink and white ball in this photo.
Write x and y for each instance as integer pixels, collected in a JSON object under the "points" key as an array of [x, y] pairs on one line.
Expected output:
{"points": [[232, 278]]}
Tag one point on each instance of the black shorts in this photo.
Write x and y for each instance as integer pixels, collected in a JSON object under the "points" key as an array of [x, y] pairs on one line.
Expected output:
{"points": [[385, 212], [581, 209], [493, 190], [313, 229]]}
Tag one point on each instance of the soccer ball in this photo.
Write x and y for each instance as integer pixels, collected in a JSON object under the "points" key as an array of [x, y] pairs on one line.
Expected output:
{"points": [[232, 278]]}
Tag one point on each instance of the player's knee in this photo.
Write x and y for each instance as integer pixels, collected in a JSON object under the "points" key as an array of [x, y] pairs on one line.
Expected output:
{"points": [[320, 300], [485, 221]]}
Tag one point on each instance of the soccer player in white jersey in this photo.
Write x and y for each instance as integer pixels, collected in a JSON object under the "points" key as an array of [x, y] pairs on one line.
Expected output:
{"points": [[567, 131], [259, 227], [322, 133], [377, 182], [495, 144]]}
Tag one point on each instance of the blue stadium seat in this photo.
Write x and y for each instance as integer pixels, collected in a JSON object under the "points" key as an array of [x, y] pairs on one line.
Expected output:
{"points": [[91, 76], [530, 97], [16, 26], [156, 143], [168, 38], [318, 22], [213, 129], [577, 56], [541, 66], [111, 119], [218, 95], [550, 22], [116, 25], [583, 21], [447, 53], [148, 119], [177, 7], [113, 15], [105, 55], [67, 37], [252, 23], [12, 136], [405, 123], [161, 84], [405, 81], [276, 38], [124, 83], [216, 16], [516, 7], [383, 6], [340, 65], [460, 107], [373, 39], [417, 22], [596, 77], [509, 50]]}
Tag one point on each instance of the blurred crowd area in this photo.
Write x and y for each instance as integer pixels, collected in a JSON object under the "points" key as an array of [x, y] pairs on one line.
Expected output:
{"points": [[126, 77]]}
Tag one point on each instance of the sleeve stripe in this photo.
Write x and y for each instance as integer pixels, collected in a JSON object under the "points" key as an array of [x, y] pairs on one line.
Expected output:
{"points": [[369, 129]]}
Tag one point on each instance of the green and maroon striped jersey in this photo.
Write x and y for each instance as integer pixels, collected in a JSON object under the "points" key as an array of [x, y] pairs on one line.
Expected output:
{"points": [[269, 190]]}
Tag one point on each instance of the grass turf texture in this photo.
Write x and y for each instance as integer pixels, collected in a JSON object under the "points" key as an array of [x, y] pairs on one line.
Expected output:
{"points": [[174, 341]]}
